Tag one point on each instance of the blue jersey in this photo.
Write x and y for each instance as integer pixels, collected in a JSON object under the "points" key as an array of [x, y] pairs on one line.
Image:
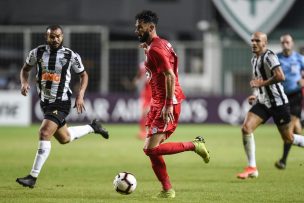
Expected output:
{"points": [[292, 67]]}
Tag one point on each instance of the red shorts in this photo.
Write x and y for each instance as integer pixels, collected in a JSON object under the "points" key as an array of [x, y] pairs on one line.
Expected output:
{"points": [[157, 124]]}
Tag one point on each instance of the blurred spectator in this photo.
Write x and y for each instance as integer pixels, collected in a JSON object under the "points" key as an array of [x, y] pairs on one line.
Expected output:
{"points": [[141, 83]]}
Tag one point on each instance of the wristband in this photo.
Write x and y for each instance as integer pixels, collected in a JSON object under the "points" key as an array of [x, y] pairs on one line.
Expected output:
{"points": [[169, 102]]}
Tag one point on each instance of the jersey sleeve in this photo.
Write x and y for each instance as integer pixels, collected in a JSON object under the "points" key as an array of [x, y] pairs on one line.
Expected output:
{"points": [[161, 59], [76, 63], [31, 58], [272, 61]]}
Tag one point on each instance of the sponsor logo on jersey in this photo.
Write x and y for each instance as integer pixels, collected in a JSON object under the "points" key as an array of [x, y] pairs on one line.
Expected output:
{"points": [[47, 76], [50, 75]]}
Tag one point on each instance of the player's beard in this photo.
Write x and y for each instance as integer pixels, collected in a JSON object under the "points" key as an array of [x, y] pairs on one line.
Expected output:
{"points": [[54, 48], [144, 38]]}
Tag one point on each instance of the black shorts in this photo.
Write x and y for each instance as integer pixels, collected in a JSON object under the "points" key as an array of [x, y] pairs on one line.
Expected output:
{"points": [[295, 102], [280, 114], [56, 112]]}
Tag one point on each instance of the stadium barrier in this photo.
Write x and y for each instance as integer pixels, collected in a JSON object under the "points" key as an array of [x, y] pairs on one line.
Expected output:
{"points": [[15, 109], [125, 109]]}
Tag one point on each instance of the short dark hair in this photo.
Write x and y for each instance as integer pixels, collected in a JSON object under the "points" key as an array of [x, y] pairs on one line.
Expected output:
{"points": [[54, 27], [147, 16]]}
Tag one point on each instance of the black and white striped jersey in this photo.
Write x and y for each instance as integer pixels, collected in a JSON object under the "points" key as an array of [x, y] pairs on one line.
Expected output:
{"points": [[54, 71], [271, 95]]}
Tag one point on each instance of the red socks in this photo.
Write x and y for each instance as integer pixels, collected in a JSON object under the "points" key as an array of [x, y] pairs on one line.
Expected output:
{"points": [[160, 170], [158, 163], [170, 148]]}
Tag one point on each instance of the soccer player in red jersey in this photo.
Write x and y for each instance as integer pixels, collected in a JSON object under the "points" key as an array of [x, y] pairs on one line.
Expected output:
{"points": [[161, 67]]}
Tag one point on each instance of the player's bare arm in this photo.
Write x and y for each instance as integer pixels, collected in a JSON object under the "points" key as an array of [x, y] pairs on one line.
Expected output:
{"points": [[24, 76], [278, 76], [79, 102], [251, 99], [301, 82], [167, 112]]}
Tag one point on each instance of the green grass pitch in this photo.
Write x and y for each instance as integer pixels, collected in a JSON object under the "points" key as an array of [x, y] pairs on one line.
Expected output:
{"points": [[83, 171]]}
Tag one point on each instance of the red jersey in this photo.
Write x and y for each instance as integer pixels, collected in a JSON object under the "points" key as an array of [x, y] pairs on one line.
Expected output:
{"points": [[160, 56]]}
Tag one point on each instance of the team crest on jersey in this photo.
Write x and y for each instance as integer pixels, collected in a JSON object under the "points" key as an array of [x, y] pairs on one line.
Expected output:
{"points": [[248, 16], [148, 74], [63, 61], [154, 130]]}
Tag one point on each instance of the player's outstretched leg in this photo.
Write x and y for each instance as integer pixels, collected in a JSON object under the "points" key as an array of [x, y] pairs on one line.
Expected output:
{"points": [[97, 127], [200, 148], [27, 181]]}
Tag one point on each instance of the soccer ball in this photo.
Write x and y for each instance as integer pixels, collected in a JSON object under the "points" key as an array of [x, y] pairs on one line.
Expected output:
{"points": [[124, 183]]}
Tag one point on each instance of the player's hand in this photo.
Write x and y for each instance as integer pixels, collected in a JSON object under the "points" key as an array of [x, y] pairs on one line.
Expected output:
{"points": [[251, 99], [167, 113], [25, 87], [256, 83], [79, 104], [301, 82]]}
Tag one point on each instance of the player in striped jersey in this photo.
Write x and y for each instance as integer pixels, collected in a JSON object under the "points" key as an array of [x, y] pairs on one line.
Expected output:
{"points": [[293, 66], [269, 100], [54, 63]]}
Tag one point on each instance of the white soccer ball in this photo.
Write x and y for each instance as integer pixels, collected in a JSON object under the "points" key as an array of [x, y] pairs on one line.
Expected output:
{"points": [[124, 183]]}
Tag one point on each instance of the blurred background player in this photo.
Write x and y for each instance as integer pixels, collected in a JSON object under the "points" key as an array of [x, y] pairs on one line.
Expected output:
{"points": [[269, 100], [162, 69], [54, 63], [141, 82], [292, 64]]}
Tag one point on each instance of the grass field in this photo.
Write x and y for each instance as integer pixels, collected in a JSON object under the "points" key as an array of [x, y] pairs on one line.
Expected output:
{"points": [[83, 171]]}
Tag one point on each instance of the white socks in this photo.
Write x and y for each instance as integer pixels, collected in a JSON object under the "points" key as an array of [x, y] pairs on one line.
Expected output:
{"points": [[249, 145], [298, 140], [77, 132], [44, 148]]}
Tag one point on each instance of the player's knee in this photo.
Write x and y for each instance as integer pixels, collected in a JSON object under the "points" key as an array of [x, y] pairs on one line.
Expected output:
{"points": [[44, 134], [246, 129], [147, 152], [288, 139], [150, 152]]}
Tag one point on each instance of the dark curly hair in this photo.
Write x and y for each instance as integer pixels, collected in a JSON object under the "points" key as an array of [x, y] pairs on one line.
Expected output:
{"points": [[147, 16]]}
